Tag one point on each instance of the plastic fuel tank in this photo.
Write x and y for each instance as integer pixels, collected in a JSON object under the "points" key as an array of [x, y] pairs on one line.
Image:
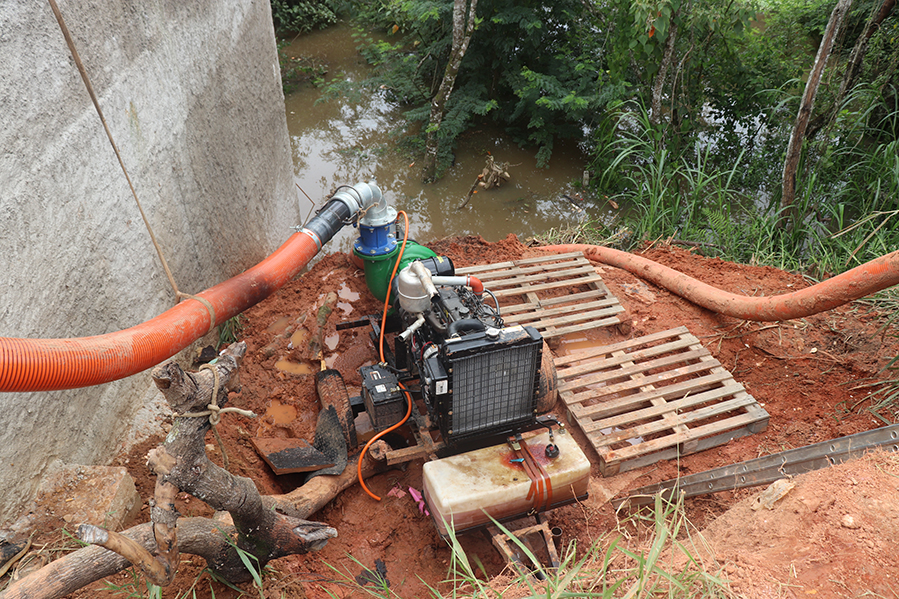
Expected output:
{"points": [[464, 491]]}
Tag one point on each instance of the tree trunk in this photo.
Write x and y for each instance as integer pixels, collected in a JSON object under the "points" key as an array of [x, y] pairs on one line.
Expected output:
{"points": [[199, 536], [658, 85], [854, 67], [181, 464], [794, 149], [463, 26]]}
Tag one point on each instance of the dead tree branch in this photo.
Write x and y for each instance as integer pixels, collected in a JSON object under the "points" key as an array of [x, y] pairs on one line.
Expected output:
{"points": [[181, 464]]}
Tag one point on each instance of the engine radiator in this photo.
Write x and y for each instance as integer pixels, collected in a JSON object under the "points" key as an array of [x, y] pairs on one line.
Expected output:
{"points": [[493, 380]]}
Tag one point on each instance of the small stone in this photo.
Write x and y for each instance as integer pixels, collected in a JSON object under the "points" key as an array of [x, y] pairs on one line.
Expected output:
{"points": [[849, 521], [811, 503]]}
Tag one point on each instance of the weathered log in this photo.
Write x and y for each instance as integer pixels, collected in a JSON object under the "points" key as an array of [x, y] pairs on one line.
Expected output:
{"points": [[316, 493], [199, 536], [181, 464], [261, 532], [493, 175]]}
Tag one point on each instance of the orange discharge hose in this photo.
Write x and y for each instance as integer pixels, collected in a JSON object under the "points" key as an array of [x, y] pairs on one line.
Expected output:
{"points": [[50, 364], [381, 351], [871, 277]]}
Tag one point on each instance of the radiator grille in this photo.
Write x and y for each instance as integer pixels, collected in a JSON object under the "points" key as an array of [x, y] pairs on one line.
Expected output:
{"points": [[493, 389]]}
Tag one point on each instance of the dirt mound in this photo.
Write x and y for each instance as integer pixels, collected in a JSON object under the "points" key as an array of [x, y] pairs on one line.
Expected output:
{"points": [[833, 535], [803, 372]]}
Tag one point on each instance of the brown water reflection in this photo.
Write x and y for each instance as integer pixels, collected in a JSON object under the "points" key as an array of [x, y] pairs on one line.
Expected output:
{"points": [[337, 142]]}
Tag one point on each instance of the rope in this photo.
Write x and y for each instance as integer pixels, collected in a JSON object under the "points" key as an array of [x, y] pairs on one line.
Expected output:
{"points": [[205, 303], [214, 412], [90, 90]]}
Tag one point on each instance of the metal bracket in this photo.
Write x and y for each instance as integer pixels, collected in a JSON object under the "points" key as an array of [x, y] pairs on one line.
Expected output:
{"points": [[765, 470]]}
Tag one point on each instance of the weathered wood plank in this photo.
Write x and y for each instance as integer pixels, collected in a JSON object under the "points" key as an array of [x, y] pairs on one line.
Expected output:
{"points": [[666, 386], [499, 267], [643, 358], [628, 402], [622, 346]]}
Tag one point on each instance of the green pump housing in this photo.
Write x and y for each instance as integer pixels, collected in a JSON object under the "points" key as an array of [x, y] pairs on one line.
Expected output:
{"points": [[377, 246], [378, 268]]}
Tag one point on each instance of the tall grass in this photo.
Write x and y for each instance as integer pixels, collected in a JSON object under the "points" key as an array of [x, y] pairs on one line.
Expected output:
{"points": [[846, 210], [845, 213], [667, 563]]}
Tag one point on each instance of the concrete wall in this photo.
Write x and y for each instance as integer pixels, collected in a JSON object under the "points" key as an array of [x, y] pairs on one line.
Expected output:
{"points": [[192, 95]]}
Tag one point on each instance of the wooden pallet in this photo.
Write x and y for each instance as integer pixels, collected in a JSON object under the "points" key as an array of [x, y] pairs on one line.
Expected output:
{"points": [[528, 293], [654, 398]]}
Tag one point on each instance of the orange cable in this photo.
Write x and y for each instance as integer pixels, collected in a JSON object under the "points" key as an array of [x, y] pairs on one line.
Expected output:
{"points": [[378, 436], [390, 282], [381, 351]]}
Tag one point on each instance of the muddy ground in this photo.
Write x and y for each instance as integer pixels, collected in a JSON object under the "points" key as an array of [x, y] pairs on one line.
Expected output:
{"points": [[834, 535]]}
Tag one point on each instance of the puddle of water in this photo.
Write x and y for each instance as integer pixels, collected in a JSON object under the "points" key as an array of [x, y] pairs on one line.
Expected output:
{"points": [[291, 367], [279, 325], [344, 141], [299, 337], [332, 340], [281, 414], [345, 307]]}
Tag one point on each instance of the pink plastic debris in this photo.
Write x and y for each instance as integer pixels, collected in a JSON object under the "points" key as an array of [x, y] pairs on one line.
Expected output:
{"points": [[416, 495], [396, 492]]}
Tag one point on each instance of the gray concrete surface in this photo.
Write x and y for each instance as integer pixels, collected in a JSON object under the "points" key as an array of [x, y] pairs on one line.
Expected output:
{"points": [[192, 94]]}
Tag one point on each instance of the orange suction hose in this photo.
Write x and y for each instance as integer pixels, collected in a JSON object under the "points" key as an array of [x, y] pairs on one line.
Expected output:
{"points": [[50, 364], [871, 277], [381, 352]]}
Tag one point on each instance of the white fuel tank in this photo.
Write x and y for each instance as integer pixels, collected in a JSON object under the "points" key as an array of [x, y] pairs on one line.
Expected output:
{"points": [[463, 489]]}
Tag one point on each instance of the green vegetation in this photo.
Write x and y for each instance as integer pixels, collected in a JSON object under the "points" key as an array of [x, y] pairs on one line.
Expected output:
{"points": [[296, 70], [686, 110], [302, 16], [664, 560], [229, 331]]}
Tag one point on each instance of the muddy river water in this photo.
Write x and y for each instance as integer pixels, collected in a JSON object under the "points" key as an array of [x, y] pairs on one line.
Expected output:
{"points": [[343, 141]]}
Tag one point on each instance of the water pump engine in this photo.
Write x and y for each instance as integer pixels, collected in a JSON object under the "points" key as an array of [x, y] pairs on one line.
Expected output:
{"points": [[480, 383], [479, 379]]}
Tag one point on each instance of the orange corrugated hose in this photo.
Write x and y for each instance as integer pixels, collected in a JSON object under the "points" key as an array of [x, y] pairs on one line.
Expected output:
{"points": [[871, 277], [381, 351], [50, 364]]}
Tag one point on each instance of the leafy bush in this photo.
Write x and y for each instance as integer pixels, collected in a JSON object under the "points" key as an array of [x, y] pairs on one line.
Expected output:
{"points": [[302, 16]]}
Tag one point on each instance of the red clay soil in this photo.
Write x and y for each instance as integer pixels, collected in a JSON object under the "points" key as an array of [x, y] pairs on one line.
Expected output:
{"points": [[805, 373]]}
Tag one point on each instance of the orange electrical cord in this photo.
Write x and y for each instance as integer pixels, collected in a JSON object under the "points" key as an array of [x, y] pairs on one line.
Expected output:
{"points": [[381, 352], [871, 277]]}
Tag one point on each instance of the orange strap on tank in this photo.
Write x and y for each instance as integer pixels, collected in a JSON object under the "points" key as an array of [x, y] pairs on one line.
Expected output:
{"points": [[545, 481], [536, 490]]}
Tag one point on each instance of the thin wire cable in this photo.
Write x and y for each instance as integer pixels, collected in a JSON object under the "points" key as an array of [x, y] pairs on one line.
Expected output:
{"points": [[90, 90]]}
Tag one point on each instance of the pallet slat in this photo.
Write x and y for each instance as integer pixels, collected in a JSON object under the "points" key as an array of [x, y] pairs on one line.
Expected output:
{"points": [[653, 398], [556, 294]]}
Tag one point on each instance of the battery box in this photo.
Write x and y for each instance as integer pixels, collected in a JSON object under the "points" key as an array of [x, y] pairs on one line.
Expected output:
{"points": [[384, 401]]}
